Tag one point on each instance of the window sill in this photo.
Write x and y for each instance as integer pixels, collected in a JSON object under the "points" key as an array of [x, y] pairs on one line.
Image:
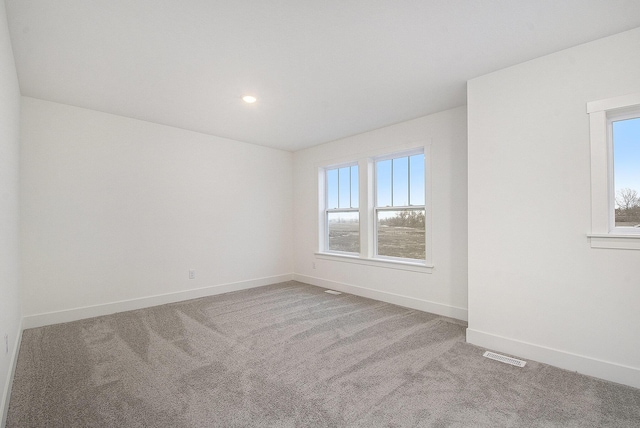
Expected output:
{"points": [[388, 264], [616, 242]]}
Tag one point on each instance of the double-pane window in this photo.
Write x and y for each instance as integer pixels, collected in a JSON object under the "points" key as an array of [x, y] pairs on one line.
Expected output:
{"points": [[342, 217], [400, 207], [376, 208]]}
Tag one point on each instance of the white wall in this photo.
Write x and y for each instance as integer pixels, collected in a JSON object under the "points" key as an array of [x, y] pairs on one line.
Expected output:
{"points": [[445, 290], [536, 288], [115, 209], [10, 306]]}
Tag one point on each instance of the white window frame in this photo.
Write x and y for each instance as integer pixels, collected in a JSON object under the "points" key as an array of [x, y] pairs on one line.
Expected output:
{"points": [[602, 114], [377, 209], [366, 168], [328, 210]]}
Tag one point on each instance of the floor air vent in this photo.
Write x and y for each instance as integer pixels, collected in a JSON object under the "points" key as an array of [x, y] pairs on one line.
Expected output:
{"points": [[332, 292], [504, 359]]}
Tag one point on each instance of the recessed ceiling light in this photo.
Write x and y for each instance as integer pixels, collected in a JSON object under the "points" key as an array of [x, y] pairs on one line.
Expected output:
{"points": [[249, 99]]}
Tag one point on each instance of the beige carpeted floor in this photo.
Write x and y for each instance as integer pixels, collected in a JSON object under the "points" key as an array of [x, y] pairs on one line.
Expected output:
{"points": [[290, 355]]}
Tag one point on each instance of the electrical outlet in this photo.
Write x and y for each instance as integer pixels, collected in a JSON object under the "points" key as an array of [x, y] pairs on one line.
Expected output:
{"points": [[192, 274], [6, 343], [314, 265]]}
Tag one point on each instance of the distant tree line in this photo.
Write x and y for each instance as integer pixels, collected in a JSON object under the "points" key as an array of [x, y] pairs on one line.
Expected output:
{"points": [[406, 218], [628, 206]]}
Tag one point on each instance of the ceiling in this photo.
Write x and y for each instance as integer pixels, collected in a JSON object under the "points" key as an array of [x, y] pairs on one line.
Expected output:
{"points": [[321, 70]]}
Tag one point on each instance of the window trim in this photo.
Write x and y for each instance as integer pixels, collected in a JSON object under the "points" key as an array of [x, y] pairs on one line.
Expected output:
{"points": [[603, 232], [366, 177]]}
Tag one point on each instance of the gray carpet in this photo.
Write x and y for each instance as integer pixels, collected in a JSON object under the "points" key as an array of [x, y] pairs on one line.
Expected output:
{"points": [[290, 355]]}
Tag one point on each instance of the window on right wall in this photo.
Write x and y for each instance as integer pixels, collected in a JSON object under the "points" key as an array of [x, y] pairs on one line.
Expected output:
{"points": [[625, 192], [615, 172]]}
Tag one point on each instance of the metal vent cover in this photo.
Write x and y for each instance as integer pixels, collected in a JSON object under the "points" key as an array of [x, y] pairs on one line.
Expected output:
{"points": [[504, 359]]}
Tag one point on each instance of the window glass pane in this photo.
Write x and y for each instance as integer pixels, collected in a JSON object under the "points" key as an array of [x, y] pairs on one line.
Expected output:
{"points": [[400, 182], [332, 188], [416, 189], [626, 160], [344, 231], [383, 183], [355, 191], [344, 183], [401, 234]]}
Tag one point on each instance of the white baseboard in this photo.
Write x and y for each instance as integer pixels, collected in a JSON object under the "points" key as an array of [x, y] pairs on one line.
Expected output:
{"points": [[565, 360], [6, 392], [39, 320], [384, 296]]}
